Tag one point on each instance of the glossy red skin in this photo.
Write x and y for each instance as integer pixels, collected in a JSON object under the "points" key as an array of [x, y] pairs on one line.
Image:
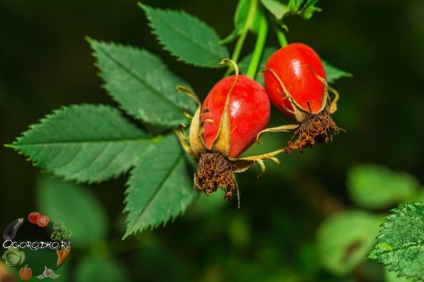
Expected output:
{"points": [[293, 64], [249, 112], [33, 217], [25, 273], [43, 221]]}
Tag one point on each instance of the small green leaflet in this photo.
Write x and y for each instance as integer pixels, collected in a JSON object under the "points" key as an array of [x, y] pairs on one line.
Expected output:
{"points": [[376, 187], [76, 207], [306, 11], [276, 8], [401, 241], [159, 187], [344, 240], [85, 143], [141, 83], [309, 9], [334, 73], [186, 37]]}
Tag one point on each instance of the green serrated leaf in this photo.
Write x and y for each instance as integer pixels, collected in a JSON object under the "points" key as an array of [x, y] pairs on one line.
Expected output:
{"points": [[400, 244], [376, 187], [186, 37], [86, 143], [75, 206], [345, 239], [334, 73], [393, 276], [159, 188], [100, 269], [276, 8], [240, 18], [245, 62], [142, 84]]}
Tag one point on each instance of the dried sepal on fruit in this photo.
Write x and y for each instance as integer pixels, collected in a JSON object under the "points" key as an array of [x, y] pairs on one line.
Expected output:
{"points": [[217, 163], [295, 81]]}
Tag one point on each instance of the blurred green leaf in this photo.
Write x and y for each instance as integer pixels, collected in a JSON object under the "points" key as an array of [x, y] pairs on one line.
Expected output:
{"points": [[376, 187], [400, 243], [344, 240], [334, 73], [186, 37], [83, 143], [276, 8], [75, 206], [159, 188], [100, 269], [142, 84]]}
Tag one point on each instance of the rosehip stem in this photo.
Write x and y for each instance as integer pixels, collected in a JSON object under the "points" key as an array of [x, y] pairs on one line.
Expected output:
{"points": [[259, 47], [281, 37], [253, 6]]}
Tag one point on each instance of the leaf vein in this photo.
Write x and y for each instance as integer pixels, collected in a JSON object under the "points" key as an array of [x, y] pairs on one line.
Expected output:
{"points": [[137, 78], [149, 202]]}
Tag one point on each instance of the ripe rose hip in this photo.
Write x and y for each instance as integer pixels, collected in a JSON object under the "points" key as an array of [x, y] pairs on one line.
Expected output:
{"points": [[33, 217], [295, 81], [249, 111], [234, 112]]}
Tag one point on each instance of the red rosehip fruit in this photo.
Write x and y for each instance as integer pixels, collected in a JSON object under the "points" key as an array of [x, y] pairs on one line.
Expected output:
{"points": [[25, 273], [249, 112], [43, 221], [299, 68], [295, 81], [234, 112], [33, 217]]}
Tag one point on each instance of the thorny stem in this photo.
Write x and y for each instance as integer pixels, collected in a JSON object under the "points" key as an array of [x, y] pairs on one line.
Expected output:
{"points": [[259, 47], [253, 6]]}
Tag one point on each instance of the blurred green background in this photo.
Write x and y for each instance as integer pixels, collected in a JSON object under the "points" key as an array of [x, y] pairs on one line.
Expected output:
{"points": [[45, 63]]}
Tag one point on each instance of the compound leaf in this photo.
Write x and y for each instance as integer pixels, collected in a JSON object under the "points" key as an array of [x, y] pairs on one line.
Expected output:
{"points": [[375, 187], [186, 37], [345, 239], [142, 84], [83, 143], [400, 244], [159, 187]]}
